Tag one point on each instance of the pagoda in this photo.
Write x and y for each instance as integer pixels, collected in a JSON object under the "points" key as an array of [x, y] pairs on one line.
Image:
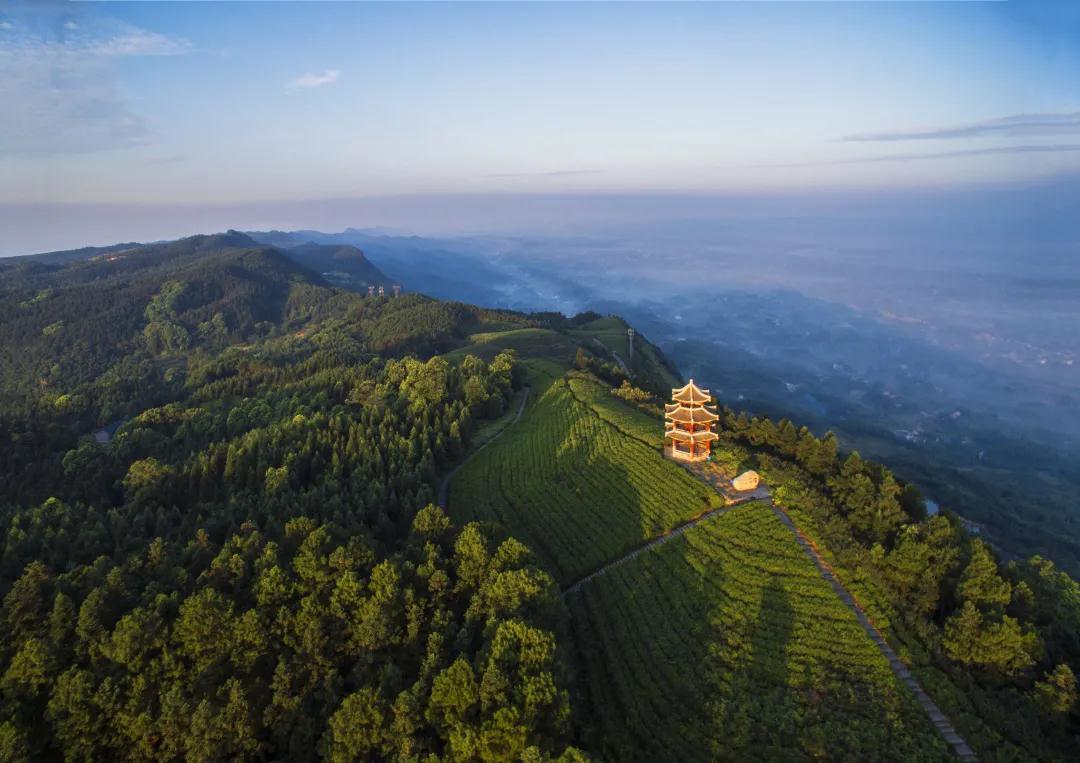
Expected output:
{"points": [[688, 424]]}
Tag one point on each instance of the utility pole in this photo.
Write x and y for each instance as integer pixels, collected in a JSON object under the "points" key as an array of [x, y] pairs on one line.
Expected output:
{"points": [[630, 341]]}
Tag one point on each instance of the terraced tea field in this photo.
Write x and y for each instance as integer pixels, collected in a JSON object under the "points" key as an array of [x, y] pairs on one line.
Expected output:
{"points": [[726, 644], [573, 487], [630, 421]]}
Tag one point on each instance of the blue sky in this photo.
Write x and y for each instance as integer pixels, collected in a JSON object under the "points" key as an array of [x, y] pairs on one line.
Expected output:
{"points": [[226, 103]]}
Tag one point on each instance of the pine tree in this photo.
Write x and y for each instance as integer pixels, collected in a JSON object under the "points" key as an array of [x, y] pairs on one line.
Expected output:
{"points": [[980, 583]]}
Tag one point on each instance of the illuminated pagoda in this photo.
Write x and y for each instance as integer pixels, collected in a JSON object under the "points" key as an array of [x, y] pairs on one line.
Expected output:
{"points": [[688, 424]]}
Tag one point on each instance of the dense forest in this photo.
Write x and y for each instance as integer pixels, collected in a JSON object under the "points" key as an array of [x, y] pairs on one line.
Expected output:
{"points": [[217, 478], [246, 562]]}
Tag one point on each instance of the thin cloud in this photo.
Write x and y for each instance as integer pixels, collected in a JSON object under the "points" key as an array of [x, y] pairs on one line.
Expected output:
{"points": [[153, 161], [1016, 125], [61, 93], [552, 174], [140, 43], [1000, 150], [6, 25], [308, 81]]}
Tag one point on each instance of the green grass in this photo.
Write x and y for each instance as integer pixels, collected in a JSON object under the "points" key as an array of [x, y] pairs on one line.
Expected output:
{"points": [[611, 333], [528, 342], [573, 487], [726, 644]]}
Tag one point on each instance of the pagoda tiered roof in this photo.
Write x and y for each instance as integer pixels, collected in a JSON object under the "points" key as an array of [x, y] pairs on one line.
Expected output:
{"points": [[688, 424], [691, 394], [690, 415], [704, 435]]}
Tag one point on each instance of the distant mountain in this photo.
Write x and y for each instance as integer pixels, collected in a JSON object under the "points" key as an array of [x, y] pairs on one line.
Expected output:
{"points": [[83, 253], [64, 317], [89, 319], [343, 265], [278, 238], [443, 268]]}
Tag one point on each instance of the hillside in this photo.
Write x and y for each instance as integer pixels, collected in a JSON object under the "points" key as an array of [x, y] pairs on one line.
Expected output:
{"points": [[672, 656], [246, 564], [726, 643], [246, 567], [66, 322], [574, 488], [341, 264]]}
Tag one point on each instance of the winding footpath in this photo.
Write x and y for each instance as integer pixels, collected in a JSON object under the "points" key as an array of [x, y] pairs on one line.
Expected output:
{"points": [[899, 669], [444, 486]]}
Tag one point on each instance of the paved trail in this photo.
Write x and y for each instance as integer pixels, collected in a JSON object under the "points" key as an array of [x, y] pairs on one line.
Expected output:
{"points": [[444, 486]]}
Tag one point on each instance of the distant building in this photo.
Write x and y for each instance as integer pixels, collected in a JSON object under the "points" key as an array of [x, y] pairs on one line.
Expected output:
{"points": [[397, 290], [746, 481], [688, 424], [382, 291], [371, 290]]}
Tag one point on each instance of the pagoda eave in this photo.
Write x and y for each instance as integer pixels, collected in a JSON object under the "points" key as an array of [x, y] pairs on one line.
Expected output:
{"points": [[702, 436], [692, 416]]}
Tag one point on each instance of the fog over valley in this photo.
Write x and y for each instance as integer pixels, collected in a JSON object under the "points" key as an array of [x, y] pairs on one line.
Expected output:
{"points": [[947, 343]]}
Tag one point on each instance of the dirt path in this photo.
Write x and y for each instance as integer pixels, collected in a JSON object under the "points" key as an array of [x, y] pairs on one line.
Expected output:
{"points": [[444, 486], [618, 358], [938, 718]]}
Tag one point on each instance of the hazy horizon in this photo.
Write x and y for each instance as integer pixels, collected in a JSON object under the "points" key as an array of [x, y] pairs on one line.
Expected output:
{"points": [[154, 120], [1035, 210]]}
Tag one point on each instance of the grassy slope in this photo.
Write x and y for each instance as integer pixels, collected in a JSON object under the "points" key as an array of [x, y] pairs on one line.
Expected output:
{"points": [[527, 342], [611, 333], [574, 487], [594, 393], [721, 644], [726, 643]]}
